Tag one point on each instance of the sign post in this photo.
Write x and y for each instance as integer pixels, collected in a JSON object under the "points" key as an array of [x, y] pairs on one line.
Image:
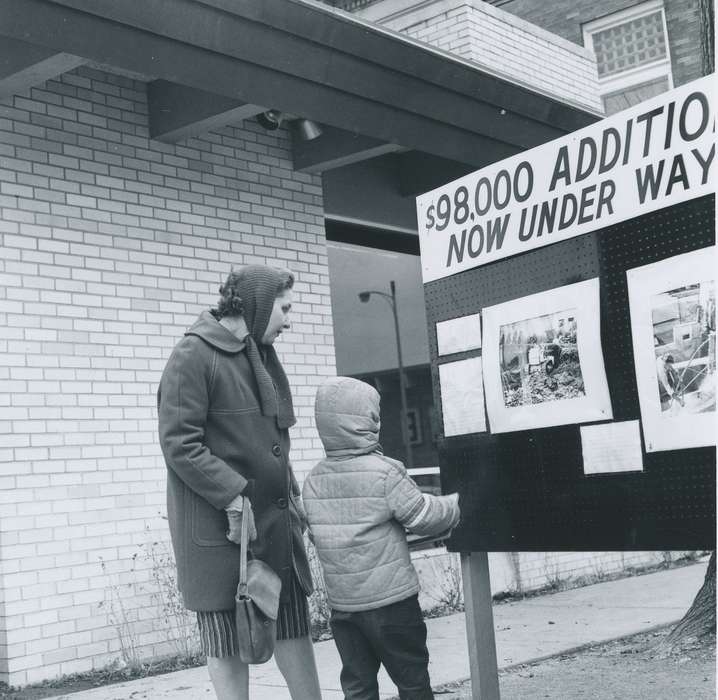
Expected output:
{"points": [[480, 626]]}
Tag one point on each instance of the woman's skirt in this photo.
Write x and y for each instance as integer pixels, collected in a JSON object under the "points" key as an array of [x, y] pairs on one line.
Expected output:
{"points": [[218, 634]]}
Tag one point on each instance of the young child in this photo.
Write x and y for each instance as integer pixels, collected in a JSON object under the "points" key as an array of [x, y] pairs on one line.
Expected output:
{"points": [[358, 504]]}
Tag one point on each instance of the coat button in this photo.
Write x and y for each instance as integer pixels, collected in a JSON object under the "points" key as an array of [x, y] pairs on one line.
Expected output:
{"points": [[276, 450], [281, 502]]}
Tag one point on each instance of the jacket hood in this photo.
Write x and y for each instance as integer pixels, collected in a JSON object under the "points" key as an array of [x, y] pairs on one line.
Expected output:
{"points": [[347, 417], [215, 334]]}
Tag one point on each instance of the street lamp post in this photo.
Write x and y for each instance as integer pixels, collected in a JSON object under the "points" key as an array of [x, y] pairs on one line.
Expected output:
{"points": [[391, 299]]}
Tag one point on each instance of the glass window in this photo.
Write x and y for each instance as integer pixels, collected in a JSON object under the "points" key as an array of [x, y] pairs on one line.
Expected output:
{"points": [[630, 44], [632, 54]]}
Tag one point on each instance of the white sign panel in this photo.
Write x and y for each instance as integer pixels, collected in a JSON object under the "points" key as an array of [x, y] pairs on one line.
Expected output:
{"points": [[650, 156], [673, 317], [543, 364], [462, 397], [610, 448], [459, 334]]}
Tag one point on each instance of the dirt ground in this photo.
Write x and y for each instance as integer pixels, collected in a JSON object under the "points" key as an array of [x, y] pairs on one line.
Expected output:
{"points": [[628, 669]]}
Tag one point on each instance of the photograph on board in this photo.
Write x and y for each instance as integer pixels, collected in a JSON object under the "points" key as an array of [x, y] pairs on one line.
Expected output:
{"points": [[540, 360], [672, 306], [684, 343], [543, 362]]}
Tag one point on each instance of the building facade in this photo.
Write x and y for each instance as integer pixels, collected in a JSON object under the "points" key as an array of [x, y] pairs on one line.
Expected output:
{"points": [[642, 48], [112, 244], [130, 183]]}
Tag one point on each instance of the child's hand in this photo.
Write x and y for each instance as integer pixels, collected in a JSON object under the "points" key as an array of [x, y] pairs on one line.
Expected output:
{"points": [[455, 502]]}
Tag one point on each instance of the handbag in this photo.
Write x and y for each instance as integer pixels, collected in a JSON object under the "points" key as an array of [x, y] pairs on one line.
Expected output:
{"points": [[256, 604]]}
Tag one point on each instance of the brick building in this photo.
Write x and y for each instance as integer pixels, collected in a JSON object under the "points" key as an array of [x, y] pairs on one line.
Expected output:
{"points": [[642, 48], [111, 245], [131, 180]]}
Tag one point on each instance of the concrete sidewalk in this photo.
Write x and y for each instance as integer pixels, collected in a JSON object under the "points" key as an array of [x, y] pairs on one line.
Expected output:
{"points": [[526, 630]]}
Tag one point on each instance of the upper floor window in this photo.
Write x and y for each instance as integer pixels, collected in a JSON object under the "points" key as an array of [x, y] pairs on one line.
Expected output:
{"points": [[632, 54]]}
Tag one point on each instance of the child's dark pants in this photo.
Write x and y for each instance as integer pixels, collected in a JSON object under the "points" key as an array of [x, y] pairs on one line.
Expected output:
{"points": [[393, 635]]}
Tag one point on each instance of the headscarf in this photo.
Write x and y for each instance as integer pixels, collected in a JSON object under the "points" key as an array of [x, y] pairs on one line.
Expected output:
{"points": [[258, 287]]}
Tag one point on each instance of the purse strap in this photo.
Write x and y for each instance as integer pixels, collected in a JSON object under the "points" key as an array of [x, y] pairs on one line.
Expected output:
{"points": [[243, 547]]}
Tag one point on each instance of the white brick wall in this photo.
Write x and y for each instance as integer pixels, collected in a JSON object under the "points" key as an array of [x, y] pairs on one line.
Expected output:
{"points": [[111, 245], [500, 43], [524, 572]]}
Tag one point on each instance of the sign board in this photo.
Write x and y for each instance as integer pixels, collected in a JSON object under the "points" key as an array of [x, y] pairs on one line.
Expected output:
{"points": [[623, 203], [654, 155]]}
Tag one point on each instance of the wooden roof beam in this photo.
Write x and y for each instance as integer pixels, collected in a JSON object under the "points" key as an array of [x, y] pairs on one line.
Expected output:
{"points": [[305, 60], [178, 112], [336, 148], [24, 65]]}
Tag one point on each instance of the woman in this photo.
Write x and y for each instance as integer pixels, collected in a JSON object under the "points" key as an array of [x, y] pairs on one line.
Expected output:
{"points": [[224, 412]]}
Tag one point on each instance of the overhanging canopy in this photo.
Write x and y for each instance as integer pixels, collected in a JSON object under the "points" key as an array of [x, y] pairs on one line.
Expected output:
{"points": [[374, 90]]}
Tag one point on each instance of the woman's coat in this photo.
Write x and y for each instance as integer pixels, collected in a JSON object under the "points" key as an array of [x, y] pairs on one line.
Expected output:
{"points": [[217, 444]]}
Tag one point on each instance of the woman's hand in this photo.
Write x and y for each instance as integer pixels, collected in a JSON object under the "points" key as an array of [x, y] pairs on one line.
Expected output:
{"points": [[240, 508]]}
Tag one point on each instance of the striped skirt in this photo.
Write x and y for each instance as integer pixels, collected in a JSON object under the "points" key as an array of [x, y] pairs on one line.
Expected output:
{"points": [[218, 634]]}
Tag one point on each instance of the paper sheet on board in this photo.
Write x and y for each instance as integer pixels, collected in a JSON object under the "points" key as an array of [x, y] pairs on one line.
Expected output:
{"points": [[611, 447], [459, 334], [462, 397]]}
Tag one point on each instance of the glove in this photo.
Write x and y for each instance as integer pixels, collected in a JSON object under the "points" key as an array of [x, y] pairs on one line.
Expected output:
{"points": [[236, 510]]}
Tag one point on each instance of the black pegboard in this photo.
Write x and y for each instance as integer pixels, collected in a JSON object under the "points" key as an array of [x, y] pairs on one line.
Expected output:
{"points": [[526, 490]]}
